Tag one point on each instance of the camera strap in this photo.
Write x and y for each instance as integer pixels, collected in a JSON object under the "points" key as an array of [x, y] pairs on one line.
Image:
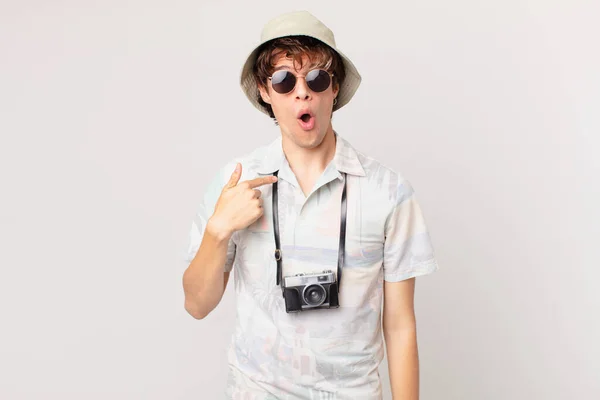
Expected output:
{"points": [[342, 246]]}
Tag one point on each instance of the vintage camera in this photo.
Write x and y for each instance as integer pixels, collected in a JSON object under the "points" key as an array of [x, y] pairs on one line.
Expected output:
{"points": [[310, 291]]}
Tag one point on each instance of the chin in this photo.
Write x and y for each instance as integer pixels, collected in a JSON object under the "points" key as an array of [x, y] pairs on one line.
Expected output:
{"points": [[302, 138], [310, 139]]}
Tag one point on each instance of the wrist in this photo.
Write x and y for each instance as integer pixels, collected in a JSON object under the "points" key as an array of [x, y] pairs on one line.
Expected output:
{"points": [[218, 229]]}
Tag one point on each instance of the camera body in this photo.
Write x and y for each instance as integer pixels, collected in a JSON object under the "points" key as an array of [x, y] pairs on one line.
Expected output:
{"points": [[312, 291]]}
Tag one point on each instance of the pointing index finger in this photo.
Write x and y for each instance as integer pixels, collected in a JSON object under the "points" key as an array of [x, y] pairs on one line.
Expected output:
{"points": [[260, 181]]}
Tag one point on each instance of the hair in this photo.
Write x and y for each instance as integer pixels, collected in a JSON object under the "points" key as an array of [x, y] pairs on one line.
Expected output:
{"points": [[319, 54]]}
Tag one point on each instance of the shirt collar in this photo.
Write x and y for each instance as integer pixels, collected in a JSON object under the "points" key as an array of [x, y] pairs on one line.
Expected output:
{"points": [[345, 158]]}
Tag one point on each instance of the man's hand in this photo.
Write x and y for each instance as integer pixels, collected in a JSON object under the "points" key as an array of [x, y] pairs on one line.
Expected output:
{"points": [[239, 205]]}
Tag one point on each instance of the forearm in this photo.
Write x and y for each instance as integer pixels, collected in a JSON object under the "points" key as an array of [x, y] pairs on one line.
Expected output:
{"points": [[203, 281], [403, 363]]}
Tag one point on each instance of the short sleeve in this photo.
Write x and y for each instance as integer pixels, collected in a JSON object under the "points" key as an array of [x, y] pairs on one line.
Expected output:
{"points": [[408, 251], [203, 213]]}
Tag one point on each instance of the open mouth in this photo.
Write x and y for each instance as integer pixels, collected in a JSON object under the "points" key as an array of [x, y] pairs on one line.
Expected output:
{"points": [[306, 119]]}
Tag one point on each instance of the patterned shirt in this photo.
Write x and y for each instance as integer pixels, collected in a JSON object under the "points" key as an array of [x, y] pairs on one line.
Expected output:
{"points": [[325, 353]]}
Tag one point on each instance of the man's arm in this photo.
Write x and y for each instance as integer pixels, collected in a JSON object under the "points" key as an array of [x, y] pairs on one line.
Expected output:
{"points": [[237, 206], [400, 333], [204, 281]]}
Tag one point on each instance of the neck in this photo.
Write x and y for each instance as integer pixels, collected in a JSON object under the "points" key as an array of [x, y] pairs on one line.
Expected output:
{"points": [[310, 159]]}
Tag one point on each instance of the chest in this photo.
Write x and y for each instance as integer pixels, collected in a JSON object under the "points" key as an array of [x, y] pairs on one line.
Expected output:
{"points": [[309, 231]]}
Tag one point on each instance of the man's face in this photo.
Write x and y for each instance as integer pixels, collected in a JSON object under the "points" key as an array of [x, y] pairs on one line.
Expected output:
{"points": [[305, 131]]}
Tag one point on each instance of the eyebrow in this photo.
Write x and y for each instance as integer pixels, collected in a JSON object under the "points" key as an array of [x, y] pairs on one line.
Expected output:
{"points": [[282, 67], [289, 67]]}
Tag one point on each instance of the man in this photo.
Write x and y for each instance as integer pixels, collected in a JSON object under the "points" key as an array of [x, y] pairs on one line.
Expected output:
{"points": [[298, 77]]}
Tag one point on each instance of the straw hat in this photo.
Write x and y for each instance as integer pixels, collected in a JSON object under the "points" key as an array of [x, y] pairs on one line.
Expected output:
{"points": [[293, 24]]}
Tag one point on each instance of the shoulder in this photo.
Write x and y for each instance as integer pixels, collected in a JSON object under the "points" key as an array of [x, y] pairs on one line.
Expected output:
{"points": [[383, 179]]}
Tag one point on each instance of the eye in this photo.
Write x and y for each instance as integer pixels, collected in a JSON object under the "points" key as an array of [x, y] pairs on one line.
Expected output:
{"points": [[279, 76], [283, 81], [318, 80]]}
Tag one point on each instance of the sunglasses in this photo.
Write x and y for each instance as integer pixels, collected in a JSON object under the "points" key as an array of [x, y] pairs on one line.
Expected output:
{"points": [[317, 80]]}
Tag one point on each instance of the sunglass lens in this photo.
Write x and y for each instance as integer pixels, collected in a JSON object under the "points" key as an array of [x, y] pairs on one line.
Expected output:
{"points": [[318, 80], [283, 81]]}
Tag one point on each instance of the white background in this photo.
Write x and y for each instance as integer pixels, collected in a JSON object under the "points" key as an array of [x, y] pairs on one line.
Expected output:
{"points": [[115, 114]]}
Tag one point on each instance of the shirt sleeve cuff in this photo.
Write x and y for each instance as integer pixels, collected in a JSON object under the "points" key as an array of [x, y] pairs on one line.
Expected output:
{"points": [[423, 268]]}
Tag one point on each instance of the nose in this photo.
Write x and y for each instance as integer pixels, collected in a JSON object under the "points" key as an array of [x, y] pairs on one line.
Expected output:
{"points": [[302, 90]]}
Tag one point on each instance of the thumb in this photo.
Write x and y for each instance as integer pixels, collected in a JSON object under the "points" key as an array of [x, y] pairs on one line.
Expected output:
{"points": [[235, 176]]}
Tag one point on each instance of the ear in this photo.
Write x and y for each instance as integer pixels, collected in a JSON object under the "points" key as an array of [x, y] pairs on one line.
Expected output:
{"points": [[264, 94], [336, 90]]}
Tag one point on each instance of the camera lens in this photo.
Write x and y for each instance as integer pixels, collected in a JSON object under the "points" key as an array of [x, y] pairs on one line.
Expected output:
{"points": [[314, 295]]}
